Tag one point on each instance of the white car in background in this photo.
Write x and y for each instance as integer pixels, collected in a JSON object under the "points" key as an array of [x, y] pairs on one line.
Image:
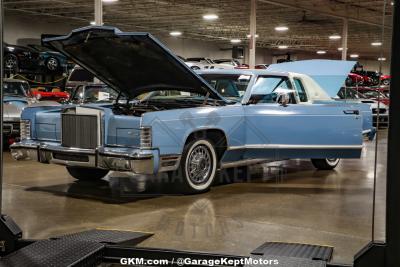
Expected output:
{"points": [[203, 63]]}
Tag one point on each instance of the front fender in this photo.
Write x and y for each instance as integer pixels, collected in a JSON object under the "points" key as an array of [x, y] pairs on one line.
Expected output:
{"points": [[171, 128]]}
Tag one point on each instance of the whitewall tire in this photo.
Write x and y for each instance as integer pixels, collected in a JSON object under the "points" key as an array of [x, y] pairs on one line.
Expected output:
{"points": [[198, 166], [325, 164]]}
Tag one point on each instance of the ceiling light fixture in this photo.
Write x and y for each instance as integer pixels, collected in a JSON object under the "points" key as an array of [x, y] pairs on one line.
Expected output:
{"points": [[235, 41], [321, 52], [283, 47], [93, 23], [376, 43], [382, 59], [248, 36], [281, 28], [354, 56], [175, 33], [110, 1], [335, 37], [210, 17]]}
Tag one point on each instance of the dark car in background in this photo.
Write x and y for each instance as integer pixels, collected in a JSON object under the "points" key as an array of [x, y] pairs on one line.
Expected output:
{"points": [[77, 77], [51, 60], [93, 93], [19, 58]]}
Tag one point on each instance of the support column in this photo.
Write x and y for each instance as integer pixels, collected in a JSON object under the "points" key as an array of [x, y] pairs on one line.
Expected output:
{"points": [[98, 12], [252, 43], [393, 168], [344, 38], [1, 102]]}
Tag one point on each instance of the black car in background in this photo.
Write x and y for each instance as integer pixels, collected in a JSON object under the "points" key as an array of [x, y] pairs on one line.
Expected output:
{"points": [[51, 61], [19, 58]]}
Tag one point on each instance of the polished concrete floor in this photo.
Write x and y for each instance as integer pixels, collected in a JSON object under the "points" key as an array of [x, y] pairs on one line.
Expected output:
{"points": [[285, 201]]}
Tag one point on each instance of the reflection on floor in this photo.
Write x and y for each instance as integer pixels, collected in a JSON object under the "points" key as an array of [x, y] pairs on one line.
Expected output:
{"points": [[283, 201]]}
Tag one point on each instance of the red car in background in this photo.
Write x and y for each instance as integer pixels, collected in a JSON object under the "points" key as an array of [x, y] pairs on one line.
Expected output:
{"points": [[52, 94], [385, 79], [373, 78], [354, 79]]}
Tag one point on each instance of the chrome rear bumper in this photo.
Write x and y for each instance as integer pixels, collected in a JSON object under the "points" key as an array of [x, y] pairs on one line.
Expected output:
{"points": [[111, 158]]}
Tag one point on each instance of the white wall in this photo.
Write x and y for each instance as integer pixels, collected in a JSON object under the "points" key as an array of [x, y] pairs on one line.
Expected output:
{"points": [[195, 48], [18, 27]]}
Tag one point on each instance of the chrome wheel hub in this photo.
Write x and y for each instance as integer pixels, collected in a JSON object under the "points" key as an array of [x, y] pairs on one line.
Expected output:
{"points": [[52, 64], [199, 165], [10, 63]]}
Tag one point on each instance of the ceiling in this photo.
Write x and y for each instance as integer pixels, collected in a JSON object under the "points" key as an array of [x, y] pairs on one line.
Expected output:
{"points": [[310, 22]]}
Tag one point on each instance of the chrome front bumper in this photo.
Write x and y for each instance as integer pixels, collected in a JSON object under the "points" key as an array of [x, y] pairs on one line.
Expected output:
{"points": [[111, 158]]}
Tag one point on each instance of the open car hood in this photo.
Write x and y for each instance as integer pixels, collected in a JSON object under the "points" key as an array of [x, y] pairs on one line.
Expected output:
{"points": [[132, 63], [329, 74]]}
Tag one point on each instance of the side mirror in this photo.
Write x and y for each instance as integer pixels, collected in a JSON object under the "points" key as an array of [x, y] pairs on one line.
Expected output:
{"points": [[284, 99], [283, 96]]}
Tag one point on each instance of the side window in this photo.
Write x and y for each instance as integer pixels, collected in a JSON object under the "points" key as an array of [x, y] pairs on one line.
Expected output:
{"points": [[300, 90], [267, 89]]}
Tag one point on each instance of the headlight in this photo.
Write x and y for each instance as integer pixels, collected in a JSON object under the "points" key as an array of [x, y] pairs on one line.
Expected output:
{"points": [[145, 137], [25, 129]]}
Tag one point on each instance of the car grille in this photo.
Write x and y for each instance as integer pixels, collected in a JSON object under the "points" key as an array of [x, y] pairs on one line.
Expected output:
{"points": [[80, 131], [381, 111]]}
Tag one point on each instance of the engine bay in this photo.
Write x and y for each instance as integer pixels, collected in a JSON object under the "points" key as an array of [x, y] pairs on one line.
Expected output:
{"points": [[138, 108]]}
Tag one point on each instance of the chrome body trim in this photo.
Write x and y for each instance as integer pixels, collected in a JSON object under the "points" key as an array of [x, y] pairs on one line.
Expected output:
{"points": [[245, 162], [283, 146]]}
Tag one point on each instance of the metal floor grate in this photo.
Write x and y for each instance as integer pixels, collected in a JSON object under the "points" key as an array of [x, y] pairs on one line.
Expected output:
{"points": [[61, 252], [112, 237], [287, 262], [292, 250], [77, 250]]}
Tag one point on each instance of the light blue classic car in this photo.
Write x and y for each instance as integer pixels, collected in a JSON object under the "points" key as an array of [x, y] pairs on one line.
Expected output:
{"points": [[167, 118]]}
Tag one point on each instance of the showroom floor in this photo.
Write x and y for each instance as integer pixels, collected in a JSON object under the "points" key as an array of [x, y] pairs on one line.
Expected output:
{"points": [[302, 205]]}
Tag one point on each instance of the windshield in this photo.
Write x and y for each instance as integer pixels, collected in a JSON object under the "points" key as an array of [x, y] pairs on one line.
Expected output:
{"points": [[81, 75], [16, 89], [231, 86], [94, 94]]}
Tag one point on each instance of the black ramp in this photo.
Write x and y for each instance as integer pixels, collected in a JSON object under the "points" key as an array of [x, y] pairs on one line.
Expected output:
{"points": [[113, 237], [293, 250], [285, 262], [77, 250], [60, 253]]}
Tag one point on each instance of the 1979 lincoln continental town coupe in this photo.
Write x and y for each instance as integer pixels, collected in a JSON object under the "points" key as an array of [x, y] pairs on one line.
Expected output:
{"points": [[168, 119]]}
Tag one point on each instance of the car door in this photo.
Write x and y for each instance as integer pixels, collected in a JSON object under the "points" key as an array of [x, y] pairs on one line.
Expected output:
{"points": [[277, 131]]}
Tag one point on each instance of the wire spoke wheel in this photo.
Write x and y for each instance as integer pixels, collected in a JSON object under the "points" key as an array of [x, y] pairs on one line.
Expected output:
{"points": [[200, 165]]}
